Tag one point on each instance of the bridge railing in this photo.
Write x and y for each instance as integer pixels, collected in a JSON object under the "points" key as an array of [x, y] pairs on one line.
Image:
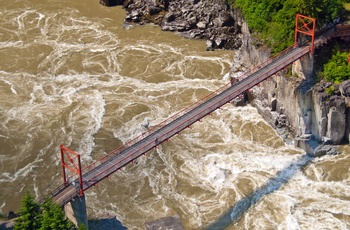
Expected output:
{"points": [[58, 190], [173, 117], [52, 193]]}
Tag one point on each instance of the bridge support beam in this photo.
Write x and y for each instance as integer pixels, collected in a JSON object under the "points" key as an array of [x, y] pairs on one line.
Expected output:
{"points": [[76, 211], [304, 67]]}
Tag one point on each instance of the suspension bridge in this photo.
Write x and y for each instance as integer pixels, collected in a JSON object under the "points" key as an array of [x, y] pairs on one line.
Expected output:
{"points": [[102, 168]]}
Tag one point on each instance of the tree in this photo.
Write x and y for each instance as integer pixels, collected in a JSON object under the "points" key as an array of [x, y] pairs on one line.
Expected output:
{"points": [[46, 216], [53, 217], [29, 214], [338, 68]]}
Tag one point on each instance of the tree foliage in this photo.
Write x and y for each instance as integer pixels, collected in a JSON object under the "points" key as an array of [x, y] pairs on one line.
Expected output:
{"points": [[82, 227], [46, 216], [337, 69], [29, 214], [275, 19], [53, 217]]}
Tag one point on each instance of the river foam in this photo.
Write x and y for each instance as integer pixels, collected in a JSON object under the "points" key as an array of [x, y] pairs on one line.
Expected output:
{"points": [[74, 76]]}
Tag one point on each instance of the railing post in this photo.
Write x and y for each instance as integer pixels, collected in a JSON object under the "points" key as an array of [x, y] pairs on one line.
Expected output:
{"points": [[81, 190], [63, 168]]}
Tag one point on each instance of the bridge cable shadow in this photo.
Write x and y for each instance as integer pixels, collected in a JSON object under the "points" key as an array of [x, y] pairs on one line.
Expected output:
{"points": [[233, 214]]}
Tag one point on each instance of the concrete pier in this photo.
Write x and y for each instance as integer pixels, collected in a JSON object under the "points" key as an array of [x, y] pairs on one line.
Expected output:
{"points": [[76, 211], [304, 67]]}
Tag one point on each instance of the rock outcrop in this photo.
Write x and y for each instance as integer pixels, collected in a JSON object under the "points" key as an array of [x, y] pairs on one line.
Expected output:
{"points": [[306, 108], [196, 19], [330, 113]]}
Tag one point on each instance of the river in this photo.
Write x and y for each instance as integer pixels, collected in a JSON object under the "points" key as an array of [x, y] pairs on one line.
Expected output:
{"points": [[71, 74]]}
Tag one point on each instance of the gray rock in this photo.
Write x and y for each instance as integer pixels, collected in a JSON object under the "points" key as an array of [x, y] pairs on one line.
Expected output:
{"points": [[281, 121], [224, 19], [345, 88], [210, 45], [336, 125], [202, 25], [206, 19], [274, 104], [323, 149], [308, 144], [169, 17]]}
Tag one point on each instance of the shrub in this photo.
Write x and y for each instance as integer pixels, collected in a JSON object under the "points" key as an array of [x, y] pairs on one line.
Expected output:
{"points": [[337, 69]]}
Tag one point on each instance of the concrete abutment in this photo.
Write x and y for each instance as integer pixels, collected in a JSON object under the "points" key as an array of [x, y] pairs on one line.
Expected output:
{"points": [[304, 67], [76, 211]]}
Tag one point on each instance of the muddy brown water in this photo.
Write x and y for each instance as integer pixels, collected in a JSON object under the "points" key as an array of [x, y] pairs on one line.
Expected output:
{"points": [[71, 74]]}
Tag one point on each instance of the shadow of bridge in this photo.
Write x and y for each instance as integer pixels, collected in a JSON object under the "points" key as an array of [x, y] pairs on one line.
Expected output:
{"points": [[233, 214]]}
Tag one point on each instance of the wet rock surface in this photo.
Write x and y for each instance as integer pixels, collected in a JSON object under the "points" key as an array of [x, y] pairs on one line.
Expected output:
{"points": [[344, 88], [315, 148], [211, 20]]}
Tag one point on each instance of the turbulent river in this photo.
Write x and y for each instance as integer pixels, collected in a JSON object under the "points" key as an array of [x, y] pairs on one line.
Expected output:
{"points": [[71, 74]]}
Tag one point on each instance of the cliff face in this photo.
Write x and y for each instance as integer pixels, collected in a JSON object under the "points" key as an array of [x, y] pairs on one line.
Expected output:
{"points": [[295, 100]]}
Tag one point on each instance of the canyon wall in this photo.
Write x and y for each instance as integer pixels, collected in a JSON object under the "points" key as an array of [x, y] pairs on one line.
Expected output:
{"points": [[293, 98]]}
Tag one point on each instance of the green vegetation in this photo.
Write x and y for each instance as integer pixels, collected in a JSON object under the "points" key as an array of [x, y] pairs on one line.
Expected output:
{"points": [[46, 216], [347, 6], [82, 227], [337, 69], [29, 214], [53, 217], [330, 90], [274, 20]]}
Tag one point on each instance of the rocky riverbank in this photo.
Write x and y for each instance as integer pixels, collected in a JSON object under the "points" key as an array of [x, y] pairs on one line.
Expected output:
{"points": [[212, 20]]}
